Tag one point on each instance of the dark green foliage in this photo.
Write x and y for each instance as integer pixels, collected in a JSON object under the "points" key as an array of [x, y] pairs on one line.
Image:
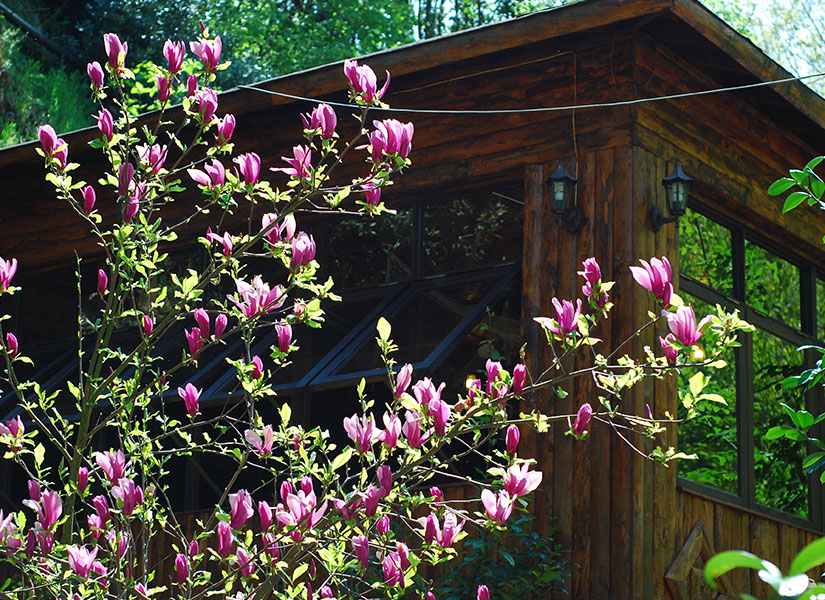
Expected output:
{"points": [[533, 565]]}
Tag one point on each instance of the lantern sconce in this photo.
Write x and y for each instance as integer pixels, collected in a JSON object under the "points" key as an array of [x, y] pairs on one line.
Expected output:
{"points": [[677, 188], [562, 188]]}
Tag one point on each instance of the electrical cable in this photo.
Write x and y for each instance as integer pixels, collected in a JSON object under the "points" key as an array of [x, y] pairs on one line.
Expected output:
{"points": [[502, 111]]}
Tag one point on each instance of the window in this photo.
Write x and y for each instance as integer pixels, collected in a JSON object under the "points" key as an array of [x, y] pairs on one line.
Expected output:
{"points": [[723, 263]]}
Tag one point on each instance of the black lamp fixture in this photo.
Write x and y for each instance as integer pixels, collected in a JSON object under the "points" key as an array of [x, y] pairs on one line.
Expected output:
{"points": [[677, 187], [562, 188]]}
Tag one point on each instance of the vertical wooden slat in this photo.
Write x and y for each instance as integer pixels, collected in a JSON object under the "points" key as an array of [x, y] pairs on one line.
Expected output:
{"points": [[582, 463], [609, 173], [621, 473]]}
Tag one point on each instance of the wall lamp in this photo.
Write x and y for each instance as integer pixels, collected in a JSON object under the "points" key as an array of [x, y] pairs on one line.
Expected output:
{"points": [[677, 187], [562, 188]]}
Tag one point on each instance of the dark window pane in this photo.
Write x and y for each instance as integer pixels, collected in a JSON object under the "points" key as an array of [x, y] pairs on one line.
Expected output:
{"points": [[772, 285], [470, 231], [705, 251], [780, 479], [711, 433], [363, 251]]}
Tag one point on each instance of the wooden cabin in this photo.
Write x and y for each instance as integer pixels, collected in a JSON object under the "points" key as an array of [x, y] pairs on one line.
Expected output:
{"points": [[474, 228]]}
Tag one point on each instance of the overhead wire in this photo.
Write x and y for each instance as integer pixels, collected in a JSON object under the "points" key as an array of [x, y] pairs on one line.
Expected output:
{"points": [[504, 111]]}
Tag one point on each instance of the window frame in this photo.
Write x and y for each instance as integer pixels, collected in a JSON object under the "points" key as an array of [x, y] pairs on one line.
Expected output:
{"points": [[744, 365]]}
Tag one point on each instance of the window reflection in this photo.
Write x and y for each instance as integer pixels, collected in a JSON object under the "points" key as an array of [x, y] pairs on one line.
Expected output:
{"points": [[772, 285], [705, 251]]}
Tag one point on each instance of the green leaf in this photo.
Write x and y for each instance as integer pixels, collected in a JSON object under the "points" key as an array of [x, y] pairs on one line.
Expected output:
{"points": [[793, 200], [817, 187], [384, 329], [812, 592], [780, 186], [809, 557], [727, 561], [342, 459], [39, 454], [774, 433], [286, 413], [814, 162]]}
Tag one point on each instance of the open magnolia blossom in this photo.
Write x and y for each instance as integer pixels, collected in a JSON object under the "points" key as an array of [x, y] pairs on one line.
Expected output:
{"points": [[353, 520]]}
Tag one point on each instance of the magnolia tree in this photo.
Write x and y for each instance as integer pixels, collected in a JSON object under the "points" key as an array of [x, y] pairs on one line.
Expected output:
{"points": [[354, 522]]}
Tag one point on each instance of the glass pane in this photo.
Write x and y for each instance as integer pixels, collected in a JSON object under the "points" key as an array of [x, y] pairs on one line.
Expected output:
{"points": [[711, 434], [360, 251], [780, 479], [705, 251], [470, 231], [424, 321], [772, 285]]}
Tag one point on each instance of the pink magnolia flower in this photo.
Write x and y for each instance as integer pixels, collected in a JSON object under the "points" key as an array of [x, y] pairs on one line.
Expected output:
{"points": [[81, 559], [190, 395], [512, 439], [48, 139], [112, 463], [682, 324], [245, 563], [583, 416], [152, 157], [125, 173], [7, 270], [402, 380], [274, 232], [300, 165], [181, 567], [133, 202], [383, 525], [88, 195], [440, 412], [257, 367], [242, 511], [265, 515], [102, 508], [262, 445], [437, 494], [226, 542], [371, 499], [102, 282], [164, 85], [209, 51], [384, 474], [372, 193], [432, 528], [393, 575], [106, 126], [363, 82], [412, 430], [95, 72], [498, 507], [207, 104], [450, 530], [129, 494], [284, 332], [148, 325], [671, 352], [519, 480], [191, 86], [362, 431], [249, 167], [425, 391], [519, 377], [220, 325], [173, 52], [494, 370], [141, 590], [322, 120], [34, 490], [360, 545], [483, 593], [325, 592], [592, 274], [225, 240], [389, 138], [303, 250], [212, 176], [82, 479], [115, 50], [12, 347], [392, 429], [566, 320], [257, 297], [195, 340], [656, 278], [225, 128]]}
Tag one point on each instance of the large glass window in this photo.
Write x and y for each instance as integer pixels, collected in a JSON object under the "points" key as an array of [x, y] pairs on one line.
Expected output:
{"points": [[724, 263]]}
